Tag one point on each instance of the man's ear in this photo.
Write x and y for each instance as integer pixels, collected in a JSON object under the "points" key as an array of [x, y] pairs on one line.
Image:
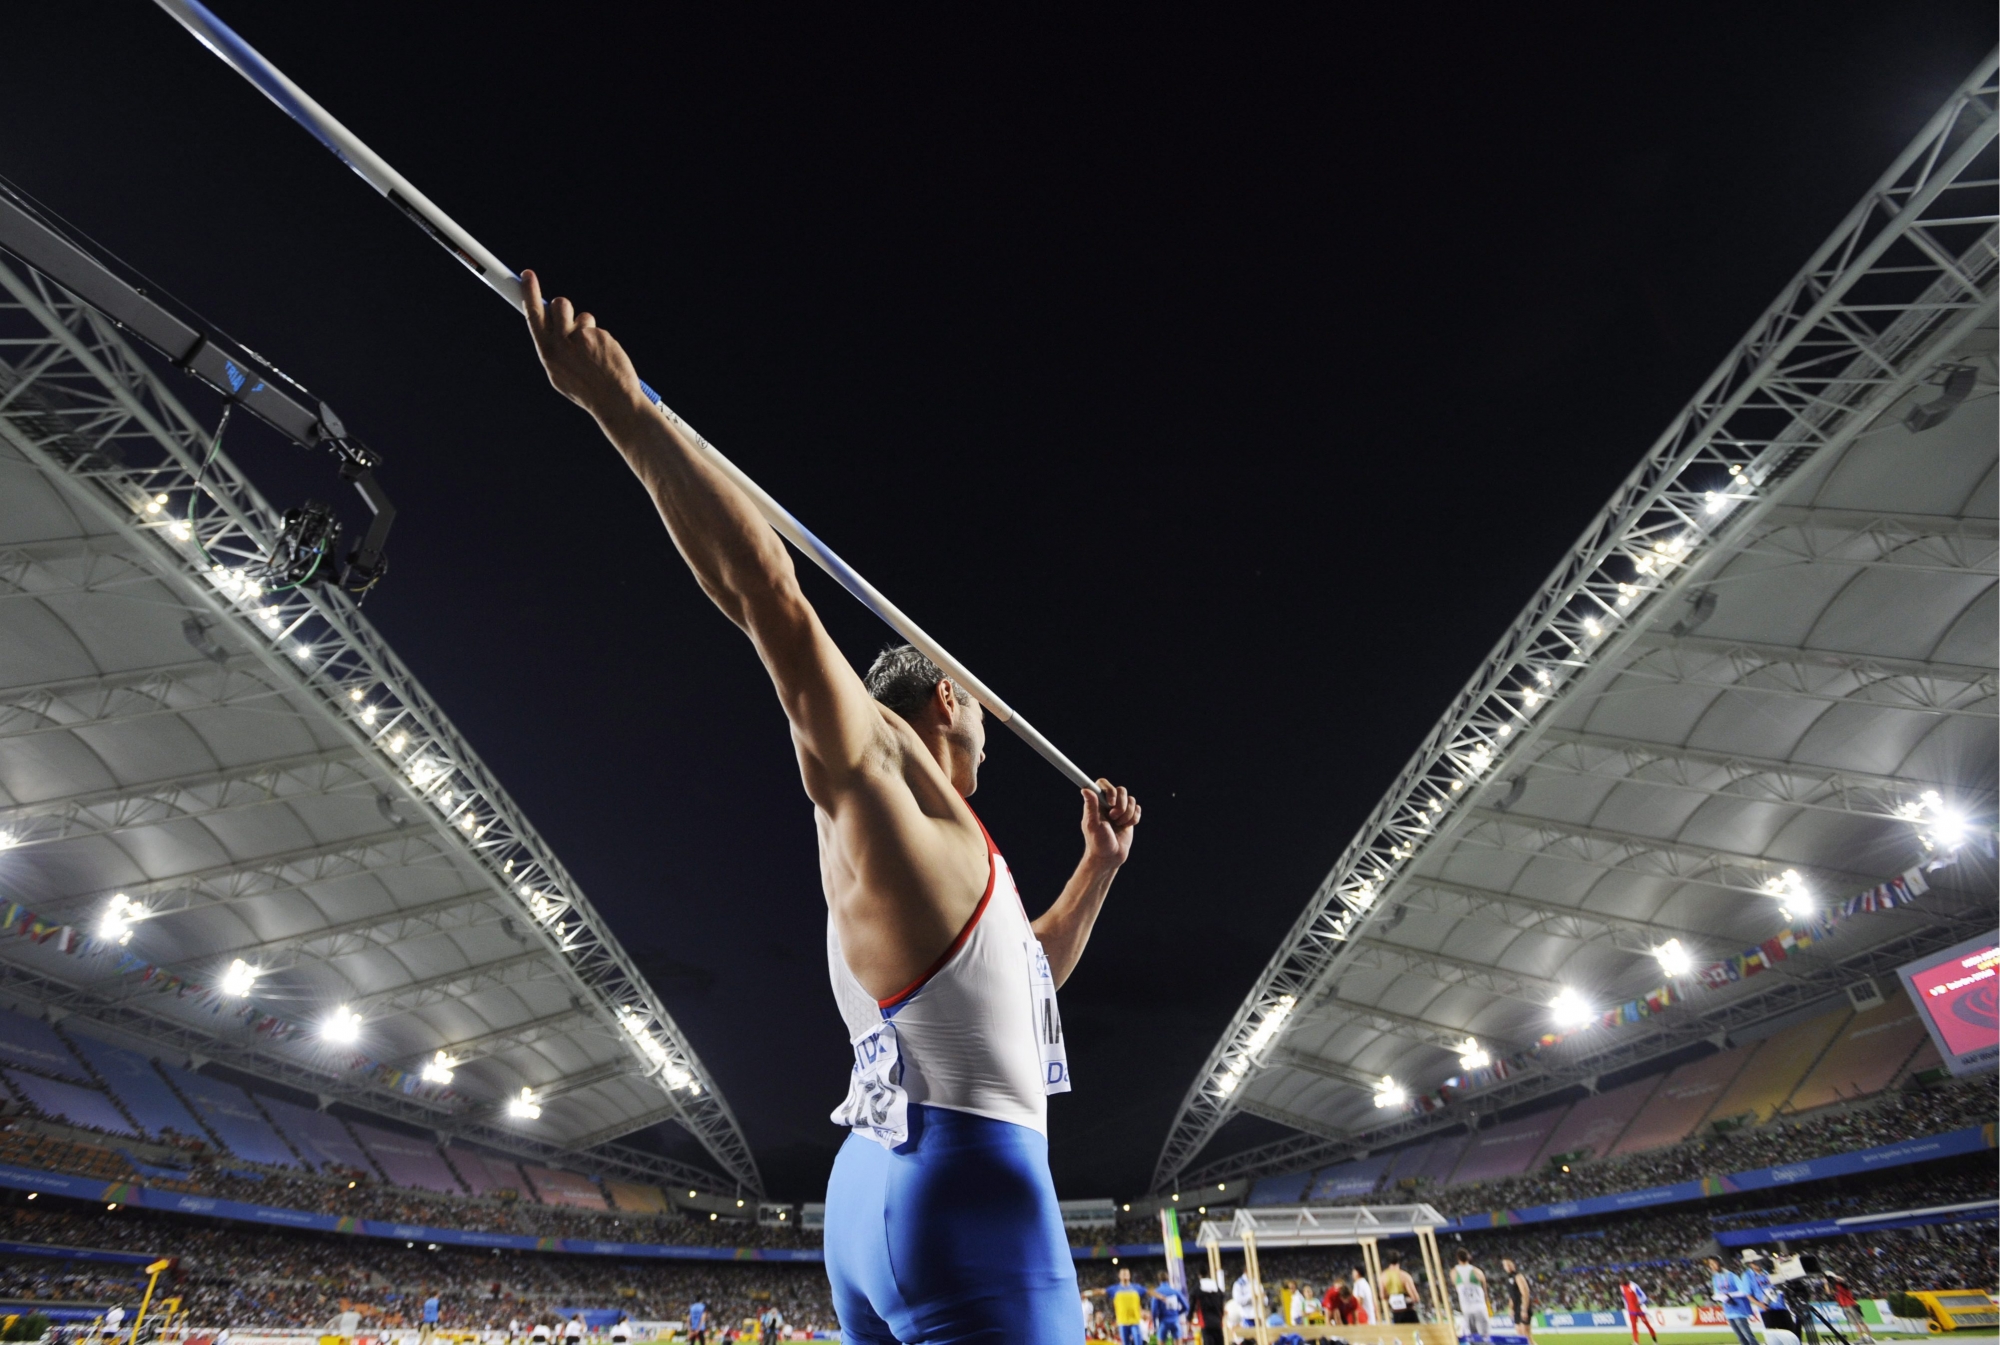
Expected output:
{"points": [[946, 696]]}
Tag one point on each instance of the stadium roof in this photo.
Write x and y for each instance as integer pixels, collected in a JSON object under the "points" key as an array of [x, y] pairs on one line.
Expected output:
{"points": [[1778, 636], [259, 773]]}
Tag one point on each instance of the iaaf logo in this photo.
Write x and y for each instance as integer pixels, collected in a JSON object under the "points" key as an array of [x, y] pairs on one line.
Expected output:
{"points": [[1798, 1172]]}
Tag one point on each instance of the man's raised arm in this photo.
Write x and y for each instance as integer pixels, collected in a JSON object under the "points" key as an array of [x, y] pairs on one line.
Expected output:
{"points": [[739, 561]]}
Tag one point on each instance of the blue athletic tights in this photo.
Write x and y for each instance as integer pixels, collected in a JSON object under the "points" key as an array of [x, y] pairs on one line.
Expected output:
{"points": [[952, 1239]]}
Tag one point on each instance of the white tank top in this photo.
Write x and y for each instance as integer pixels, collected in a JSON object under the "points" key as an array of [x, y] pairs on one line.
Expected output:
{"points": [[1471, 1293], [978, 1032]]}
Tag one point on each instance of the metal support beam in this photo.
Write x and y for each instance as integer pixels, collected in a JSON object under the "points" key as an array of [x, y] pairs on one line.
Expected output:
{"points": [[519, 1035], [1554, 919], [1833, 677], [99, 702], [530, 966], [85, 410], [1919, 542], [461, 911], [1654, 857], [1379, 954], [1303, 1124], [108, 812], [1428, 1031], [1732, 775], [1900, 286]]}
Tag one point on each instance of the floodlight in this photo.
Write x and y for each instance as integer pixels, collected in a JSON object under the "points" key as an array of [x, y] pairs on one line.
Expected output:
{"points": [[238, 980], [8, 840], [524, 1107], [1674, 960], [1571, 1009], [1389, 1093], [1471, 1055], [439, 1068], [1795, 898], [342, 1026], [120, 914]]}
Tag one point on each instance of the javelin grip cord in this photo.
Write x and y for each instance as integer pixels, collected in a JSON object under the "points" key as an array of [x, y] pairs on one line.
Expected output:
{"points": [[221, 39]]}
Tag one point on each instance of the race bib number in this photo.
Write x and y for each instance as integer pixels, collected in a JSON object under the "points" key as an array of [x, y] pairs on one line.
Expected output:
{"points": [[1398, 1302], [876, 1104], [1048, 1022]]}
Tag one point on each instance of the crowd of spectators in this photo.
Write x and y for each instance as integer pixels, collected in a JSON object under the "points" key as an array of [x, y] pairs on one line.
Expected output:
{"points": [[1885, 1119], [232, 1275], [1578, 1265]]}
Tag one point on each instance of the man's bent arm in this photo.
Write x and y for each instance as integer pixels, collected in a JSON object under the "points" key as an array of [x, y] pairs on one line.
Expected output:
{"points": [[740, 563], [1064, 928]]}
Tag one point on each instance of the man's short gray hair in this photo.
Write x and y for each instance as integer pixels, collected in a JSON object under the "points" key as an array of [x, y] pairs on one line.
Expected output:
{"points": [[904, 680]]}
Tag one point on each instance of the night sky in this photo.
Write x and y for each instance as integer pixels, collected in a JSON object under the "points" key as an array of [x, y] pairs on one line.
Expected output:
{"points": [[1217, 386]]}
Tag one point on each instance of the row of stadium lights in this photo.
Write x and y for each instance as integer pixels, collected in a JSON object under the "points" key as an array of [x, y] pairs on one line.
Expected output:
{"points": [[1939, 826], [433, 780]]}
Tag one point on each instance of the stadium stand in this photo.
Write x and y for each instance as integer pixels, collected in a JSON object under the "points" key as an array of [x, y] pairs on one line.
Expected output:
{"points": [[132, 1080], [1869, 1051], [1287, 1188], [320, 1139], [1774, 1068], [1683, 1098], [33, 1045], [66, 1101], [1404, 1163], [230, 1115], [406, 1161], [1508, 1148], [485, 1174], [563, 1188], [1349, 1179], [1596, 1122], [1438, 1165], [635, 1198]]}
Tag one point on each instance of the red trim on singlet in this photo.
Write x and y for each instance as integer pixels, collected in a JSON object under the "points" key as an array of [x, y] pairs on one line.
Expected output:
{"points": [[992, 880]]}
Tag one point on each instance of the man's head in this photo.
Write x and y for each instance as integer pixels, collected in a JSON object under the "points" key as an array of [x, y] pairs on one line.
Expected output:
{"points": [[1715, 1263], [944, 714], [1124, 1274], [1507, 1264], [1396, 1260], [1360, 1273], [1464, 1256]]}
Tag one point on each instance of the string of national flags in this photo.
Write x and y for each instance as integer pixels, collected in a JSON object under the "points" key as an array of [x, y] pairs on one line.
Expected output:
{"points": [[17, 921], [1901, 890]]}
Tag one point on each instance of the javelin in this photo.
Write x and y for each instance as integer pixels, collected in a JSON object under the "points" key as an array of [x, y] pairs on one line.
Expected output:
{"points": [[221, 39]]}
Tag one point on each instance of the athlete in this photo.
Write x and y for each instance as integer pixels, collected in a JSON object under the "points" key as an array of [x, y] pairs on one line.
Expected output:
{"points": [[697, 1323], [941, 1217], [1364, 1297], [1170, 1307], [1519, 1297], [1399, 1291], [1470, 1281], [1127, 1302], [1635, 1310]]}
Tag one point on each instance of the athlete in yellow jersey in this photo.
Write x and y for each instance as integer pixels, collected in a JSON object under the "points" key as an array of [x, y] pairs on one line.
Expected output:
{"points": [[1128, 1309]]}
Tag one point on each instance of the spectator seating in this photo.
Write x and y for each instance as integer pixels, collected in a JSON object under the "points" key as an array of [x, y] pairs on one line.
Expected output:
{"points": [[134, 1082], [636, 1198], [1775, 1066], [1286, 1188], [1437, 1165], [81, 1106], [1597, 1121], [1682, 1099], [1868, 1053], [1404, 1163], [406, 1161], [1349, 1179], [485, 1174], [1507, 1148], [34, 1045], [321, 1139], [49, 1154], [564, 1188], [231, 1117]]}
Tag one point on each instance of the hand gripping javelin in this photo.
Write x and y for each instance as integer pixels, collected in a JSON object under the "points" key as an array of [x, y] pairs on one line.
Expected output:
{"points": [[219, 38]]}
